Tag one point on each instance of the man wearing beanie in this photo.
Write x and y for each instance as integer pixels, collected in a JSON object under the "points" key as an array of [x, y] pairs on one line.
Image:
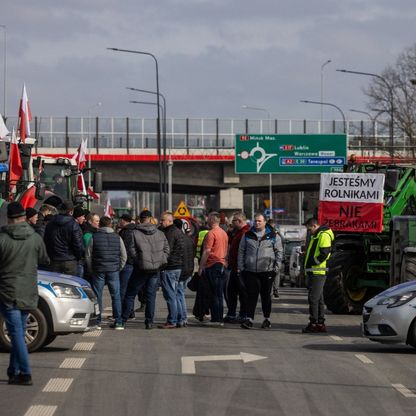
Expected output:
{"points": [[31, 216], [21, 249]]}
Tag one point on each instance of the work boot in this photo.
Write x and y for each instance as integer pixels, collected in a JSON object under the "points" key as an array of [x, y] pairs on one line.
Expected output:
{"points": [[310, 329], [266, 324], [321, 328]]}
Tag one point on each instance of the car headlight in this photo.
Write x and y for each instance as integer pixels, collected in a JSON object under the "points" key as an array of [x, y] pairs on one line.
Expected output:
{"points": [[398, 300], [66, 291]]}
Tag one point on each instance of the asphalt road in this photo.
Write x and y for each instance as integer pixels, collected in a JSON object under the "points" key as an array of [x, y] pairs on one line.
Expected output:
{"points": [[139, 372]]}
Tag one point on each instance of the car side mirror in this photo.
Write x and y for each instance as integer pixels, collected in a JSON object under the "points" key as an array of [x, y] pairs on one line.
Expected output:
{"points": [[40, 191], [98, 182]]}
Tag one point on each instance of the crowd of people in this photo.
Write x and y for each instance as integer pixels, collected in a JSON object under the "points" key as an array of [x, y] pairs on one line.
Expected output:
{"points": [[238, 262]]}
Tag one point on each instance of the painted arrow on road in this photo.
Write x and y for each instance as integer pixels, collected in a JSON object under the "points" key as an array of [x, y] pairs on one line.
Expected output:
{"points": [[188, 363]]}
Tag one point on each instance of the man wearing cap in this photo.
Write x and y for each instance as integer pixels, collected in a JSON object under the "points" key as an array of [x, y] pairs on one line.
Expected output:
{"points": [[31, 216], [149, 251], [63, 239], [21, 249], [79, 216]]}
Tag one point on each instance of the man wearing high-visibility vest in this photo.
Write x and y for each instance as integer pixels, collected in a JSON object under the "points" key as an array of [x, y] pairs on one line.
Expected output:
{"points": [[316, 268]]}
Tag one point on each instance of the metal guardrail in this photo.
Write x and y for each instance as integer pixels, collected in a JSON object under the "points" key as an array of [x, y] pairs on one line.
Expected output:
{"points": [[186, 133]]}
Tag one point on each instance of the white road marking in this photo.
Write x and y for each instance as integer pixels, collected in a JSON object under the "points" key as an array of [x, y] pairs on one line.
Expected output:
{"points": [[404, 390], [72, 363], [93, 333], [188, 363], [297, 311], [83, 346], [58, 385], [335, 337], [41, 410], [364, 359]]}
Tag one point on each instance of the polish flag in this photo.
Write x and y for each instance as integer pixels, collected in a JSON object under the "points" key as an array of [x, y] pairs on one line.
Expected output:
{"points": [[15, 163], [92, 193], [80, 157], [25, 116], [109, 212], [81, 184]]}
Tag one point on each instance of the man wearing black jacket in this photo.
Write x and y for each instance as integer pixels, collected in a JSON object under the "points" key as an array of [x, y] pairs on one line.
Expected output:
{"points": [[170, 276], [63, 240]]}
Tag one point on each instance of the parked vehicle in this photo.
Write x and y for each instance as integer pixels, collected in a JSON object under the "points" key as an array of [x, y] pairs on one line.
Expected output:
{"points": [[67, 304], [390, 317], [296, 276]]}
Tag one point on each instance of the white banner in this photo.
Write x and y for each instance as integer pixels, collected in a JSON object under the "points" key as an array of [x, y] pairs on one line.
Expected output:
{"points": [[352, 187]]}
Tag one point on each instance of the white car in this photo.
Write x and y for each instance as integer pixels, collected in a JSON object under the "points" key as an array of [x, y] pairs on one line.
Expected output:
{"points": [[67, 305], [390, 317]]}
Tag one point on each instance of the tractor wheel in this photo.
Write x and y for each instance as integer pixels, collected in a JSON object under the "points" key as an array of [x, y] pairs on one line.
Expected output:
{"points": [[340, 291], [408, 267]]}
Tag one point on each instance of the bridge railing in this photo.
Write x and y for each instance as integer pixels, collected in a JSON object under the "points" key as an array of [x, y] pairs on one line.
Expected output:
{"points": [[187, 134]]}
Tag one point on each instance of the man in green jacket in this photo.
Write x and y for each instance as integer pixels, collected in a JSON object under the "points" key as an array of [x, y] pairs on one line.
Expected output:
{"points": [[21, 249]]}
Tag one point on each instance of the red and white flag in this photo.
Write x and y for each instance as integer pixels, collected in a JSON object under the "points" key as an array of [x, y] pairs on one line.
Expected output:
{"points": [[109, 212], [25, 116], [15, 163], [92, 193], [80, 157]]}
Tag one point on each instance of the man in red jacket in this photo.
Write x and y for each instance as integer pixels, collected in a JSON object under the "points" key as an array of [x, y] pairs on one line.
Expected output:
{"points": [[234, 288]]}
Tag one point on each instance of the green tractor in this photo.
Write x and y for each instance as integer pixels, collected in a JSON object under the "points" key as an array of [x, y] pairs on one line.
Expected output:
{"points": [[359, 266]]}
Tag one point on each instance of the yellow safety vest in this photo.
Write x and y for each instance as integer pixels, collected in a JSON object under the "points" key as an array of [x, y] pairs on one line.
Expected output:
{"points": [[325, 239], [201, 237]]}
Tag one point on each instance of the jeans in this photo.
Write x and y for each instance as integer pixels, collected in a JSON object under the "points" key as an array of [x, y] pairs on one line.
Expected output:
{"points": [[16, 326], [316, 285], [112, 280], [125, 276], [182, 316], [215, 277], [138, 280], [169, 282], [80, 270]]}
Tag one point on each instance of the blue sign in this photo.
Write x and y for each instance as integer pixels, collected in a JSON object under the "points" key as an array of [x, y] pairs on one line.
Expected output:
{"points": [[312, 161], [4, 167]]}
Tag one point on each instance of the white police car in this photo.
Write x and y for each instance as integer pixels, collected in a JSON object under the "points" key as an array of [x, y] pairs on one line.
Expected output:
{"points": [[67, 304]]}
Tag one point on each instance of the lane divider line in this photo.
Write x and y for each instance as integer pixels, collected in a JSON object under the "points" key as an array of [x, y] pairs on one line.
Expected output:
{"points": [[83, 346], [58, 385], [335, 337], [404, 390], [363, 358], [41, 410], [93, 333], [72, 363]]}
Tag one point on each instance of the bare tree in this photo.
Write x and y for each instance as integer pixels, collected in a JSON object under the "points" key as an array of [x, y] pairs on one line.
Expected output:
{"points": [[397, 92]]}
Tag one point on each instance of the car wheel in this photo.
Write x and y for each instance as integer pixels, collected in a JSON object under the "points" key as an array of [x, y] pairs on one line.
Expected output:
{"points": [[36, 331], [411, 335]]}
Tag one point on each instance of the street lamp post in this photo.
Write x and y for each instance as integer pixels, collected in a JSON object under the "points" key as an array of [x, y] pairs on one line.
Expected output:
{"points": [[249, 107], [322, 87], [331, 105], [158, 116], [165, 190], [4, 68], [390, 88], [98, 104]]}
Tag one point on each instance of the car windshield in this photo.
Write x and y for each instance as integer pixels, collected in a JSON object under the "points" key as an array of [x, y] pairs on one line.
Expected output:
{"points": [[51, 176]]}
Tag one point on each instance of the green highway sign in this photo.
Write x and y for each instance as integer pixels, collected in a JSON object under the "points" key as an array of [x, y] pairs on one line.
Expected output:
{"points": [[290, 153]]}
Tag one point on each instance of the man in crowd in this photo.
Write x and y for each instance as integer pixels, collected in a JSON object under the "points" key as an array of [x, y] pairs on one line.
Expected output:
{"points": [[63, 239], [31, 216], [21, 249], [170, 276], [260, 256], [186, 273], [213, 263], [127, 228], [317, 255], [105, 257], [149, 251], [45, 214], [234, 287], [79, 215], [91, 227]]}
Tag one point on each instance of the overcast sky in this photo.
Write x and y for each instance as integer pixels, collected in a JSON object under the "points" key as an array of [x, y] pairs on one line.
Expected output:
{"points": [[214, 55]]}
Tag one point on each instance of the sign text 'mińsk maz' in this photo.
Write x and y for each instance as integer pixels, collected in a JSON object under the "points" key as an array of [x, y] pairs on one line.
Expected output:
{"points": [[352, 201]]}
